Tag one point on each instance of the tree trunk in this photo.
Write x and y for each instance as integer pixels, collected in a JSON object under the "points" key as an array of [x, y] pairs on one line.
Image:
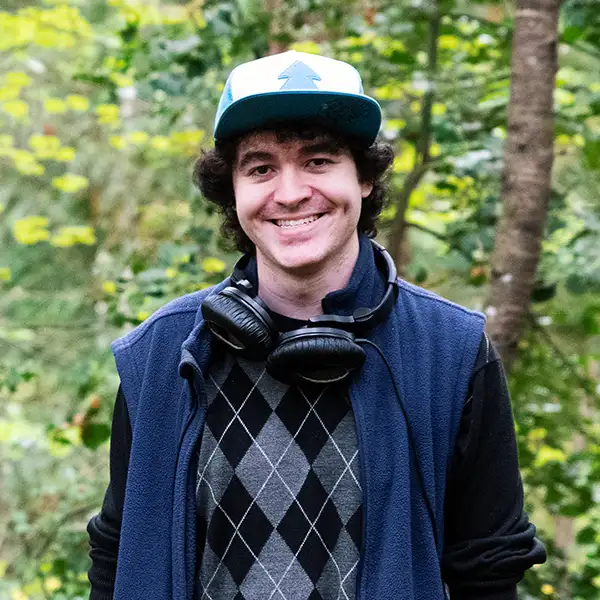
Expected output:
{"points": [[276, 10], [526, 180]]}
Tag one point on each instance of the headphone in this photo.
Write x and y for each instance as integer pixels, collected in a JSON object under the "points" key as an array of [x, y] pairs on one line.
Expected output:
{"points": [[322, 351]]}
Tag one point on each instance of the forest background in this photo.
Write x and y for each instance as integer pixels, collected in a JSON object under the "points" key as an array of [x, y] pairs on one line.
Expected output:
{"points": [[104, 105]]}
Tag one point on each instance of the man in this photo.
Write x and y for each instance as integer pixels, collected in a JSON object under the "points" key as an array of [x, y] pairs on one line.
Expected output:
{"points": [[313, 427]]}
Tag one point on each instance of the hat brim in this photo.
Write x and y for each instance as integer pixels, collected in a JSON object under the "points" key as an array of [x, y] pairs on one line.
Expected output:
{"points": [[352, 114]]}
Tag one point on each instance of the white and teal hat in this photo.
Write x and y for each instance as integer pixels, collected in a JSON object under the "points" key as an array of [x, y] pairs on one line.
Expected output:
{"points": [[292, 86]]}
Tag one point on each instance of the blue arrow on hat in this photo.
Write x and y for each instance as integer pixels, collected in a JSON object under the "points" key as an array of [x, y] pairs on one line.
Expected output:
{"points": [[299, 77]]}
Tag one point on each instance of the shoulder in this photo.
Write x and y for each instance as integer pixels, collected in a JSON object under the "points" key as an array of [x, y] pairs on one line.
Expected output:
{"points": [[422, 299], [178, 317]]}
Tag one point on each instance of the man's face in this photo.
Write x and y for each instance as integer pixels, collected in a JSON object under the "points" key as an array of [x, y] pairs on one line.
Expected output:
{"points": [[299, 201]]}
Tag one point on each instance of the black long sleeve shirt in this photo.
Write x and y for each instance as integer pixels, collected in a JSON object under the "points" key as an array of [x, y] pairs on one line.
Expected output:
{"points": [[489, 542]]}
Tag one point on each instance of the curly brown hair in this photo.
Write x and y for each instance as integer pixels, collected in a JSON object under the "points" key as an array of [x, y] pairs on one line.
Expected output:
{"points": [[213, 175]]}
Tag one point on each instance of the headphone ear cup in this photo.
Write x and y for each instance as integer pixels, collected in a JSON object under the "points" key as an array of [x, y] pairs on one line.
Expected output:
{"points": [[238, 321], [318, 355]]}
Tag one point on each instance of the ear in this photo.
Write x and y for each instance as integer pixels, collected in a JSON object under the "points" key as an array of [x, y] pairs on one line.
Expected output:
{"points": [[365, 189]]}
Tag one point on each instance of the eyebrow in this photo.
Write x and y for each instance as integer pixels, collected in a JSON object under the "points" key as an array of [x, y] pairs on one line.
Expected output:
{"points": [[321, 147], [324, 147], [253, 156]]}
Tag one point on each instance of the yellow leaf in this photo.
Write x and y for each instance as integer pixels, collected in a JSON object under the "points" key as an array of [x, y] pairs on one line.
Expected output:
{"points": [[170, 272], [389, 91], [31, 230], [213, 265], [109, 287], [191, 137], [405, 160], [78, 103], [546, 455], [396, 123], [45, 146], [70, 183], [66, 154], [308, 46], [17, 79], [435, 150], [539, 433], [55, 106], [439, 109], [73, 235], [107, 113], [142, 315], [121, 80], [26, 163], [9, 93], [16, 108], [5, 274], [160, 142], [117, 142], [448, 42], [138, 137], [547, 589]]}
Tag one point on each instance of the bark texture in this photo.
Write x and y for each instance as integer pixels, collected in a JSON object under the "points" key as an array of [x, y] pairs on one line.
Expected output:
{"points": [[526, 180]]}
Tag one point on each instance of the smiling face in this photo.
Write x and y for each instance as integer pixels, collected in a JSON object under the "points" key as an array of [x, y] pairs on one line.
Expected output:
{"points": [[299, 201]]}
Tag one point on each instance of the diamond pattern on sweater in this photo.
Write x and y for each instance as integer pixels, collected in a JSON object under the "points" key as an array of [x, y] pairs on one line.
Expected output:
{"points": [[278, 492]]}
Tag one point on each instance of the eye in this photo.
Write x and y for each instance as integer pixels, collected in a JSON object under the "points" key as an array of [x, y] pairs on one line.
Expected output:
{"points": [[319, 161], [260, 170]]}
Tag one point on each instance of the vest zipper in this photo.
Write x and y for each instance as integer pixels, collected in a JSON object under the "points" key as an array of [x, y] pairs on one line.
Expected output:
{"points": [[191, 431], [359, 568]]}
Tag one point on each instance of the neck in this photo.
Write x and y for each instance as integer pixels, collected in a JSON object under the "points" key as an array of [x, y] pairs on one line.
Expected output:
{"points": [[298, 294]]}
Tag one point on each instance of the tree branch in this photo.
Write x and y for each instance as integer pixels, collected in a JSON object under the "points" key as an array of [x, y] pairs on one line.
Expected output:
{"points": [[587, 385], [423, 144]]}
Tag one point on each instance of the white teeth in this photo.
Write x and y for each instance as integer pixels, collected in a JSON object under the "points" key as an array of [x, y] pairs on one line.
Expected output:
{"points": [[296, 222]]}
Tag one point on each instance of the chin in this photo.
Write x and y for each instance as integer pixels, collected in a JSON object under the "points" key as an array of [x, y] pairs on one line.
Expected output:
{"points": [[298, 259]]}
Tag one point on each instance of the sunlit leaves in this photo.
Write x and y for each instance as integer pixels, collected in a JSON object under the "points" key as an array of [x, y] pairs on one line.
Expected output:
{"points": [[213, 265], [73, 235], [31, 230], [108, 114], [60, 27], [77, 103], [70, 183], [18, 109], [55, 106]]}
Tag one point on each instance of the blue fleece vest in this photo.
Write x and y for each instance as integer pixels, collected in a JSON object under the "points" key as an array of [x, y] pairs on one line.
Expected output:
{"points": [[431, 345]]}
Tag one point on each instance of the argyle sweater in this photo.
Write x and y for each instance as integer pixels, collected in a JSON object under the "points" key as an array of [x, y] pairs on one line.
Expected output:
{"points": [[279, 501]]}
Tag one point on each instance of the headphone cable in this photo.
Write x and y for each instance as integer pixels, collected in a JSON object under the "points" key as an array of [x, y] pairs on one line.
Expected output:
{"points": [[410, 438]]}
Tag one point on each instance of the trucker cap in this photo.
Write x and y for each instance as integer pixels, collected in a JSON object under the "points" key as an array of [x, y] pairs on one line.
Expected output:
{"points": [[292, 86]]}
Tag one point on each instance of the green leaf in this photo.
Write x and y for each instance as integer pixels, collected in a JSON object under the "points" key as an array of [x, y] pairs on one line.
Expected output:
{"points": [[94, 435], [591, 319], [587, 535]]}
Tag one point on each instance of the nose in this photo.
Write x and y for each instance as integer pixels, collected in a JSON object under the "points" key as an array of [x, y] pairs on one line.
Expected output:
{"points": [[291, 189]]}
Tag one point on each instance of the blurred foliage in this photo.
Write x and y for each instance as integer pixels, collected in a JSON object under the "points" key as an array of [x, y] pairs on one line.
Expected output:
{"points": [[104, 104]]}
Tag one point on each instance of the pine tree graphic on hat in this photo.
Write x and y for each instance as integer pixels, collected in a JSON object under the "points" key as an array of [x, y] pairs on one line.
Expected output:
{"points": [[299, 77]]}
